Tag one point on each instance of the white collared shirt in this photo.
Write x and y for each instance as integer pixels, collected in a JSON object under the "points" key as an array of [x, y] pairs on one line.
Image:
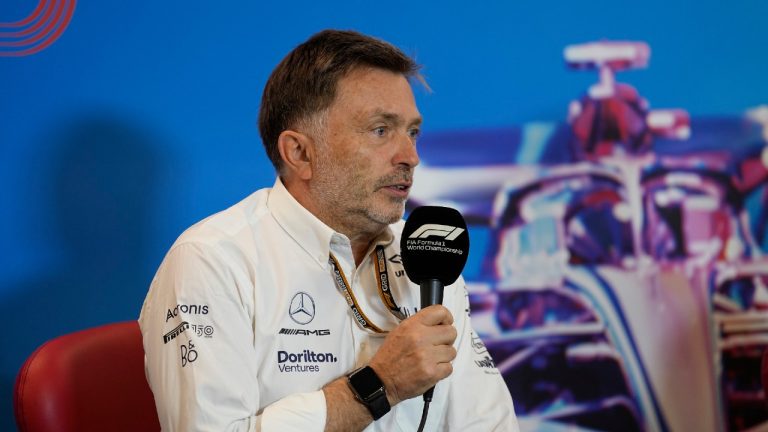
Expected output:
{"points": [[243, 325]]}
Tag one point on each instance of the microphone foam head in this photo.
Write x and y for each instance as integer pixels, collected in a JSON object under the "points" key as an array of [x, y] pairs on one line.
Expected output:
{"points": [[434, 244]]}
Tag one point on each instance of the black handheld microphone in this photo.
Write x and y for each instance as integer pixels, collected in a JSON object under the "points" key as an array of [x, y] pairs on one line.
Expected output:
{"points": [[434, 248]]}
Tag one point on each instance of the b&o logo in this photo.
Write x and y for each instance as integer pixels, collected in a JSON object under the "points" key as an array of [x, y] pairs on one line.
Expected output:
{"points": [[447, 232], [188, 354], [36, 32], [302, 308]]}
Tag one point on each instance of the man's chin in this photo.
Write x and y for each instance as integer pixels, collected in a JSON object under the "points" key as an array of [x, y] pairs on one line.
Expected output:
{"points": [[389, 215]]}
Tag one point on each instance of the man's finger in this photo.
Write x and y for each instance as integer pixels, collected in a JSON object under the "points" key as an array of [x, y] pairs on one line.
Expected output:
{"points": [[434, 315]]}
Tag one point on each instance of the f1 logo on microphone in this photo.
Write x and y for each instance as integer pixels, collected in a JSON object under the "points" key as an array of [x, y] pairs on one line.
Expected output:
{"points": [[445, 231]]}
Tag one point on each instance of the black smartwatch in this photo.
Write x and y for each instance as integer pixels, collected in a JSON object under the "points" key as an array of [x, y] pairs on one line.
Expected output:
{"points": [[369, 390]]}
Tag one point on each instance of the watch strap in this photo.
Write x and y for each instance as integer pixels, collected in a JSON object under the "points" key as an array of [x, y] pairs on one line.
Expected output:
{"points": [[378, 406], [369, 390]]}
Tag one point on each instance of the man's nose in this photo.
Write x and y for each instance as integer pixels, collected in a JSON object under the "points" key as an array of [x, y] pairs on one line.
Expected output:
{"points": [[407, 153]]}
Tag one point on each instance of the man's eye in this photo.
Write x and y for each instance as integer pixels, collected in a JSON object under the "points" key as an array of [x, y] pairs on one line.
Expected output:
{"points": [[380, 131], [414, 133]]}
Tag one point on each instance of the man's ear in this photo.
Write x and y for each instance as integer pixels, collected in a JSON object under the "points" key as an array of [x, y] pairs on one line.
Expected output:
{"points": [[297, 152]]}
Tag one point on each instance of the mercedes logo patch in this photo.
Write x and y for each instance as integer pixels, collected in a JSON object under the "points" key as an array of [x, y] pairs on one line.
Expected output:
{"points": [[302, 309]]}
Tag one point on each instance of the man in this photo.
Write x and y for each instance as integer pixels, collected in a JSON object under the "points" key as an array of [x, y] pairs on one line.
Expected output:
{"points": [[267, 316]]}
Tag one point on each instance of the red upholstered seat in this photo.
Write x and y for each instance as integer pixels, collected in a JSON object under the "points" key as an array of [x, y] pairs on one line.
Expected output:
{"points": [[91, 380]]}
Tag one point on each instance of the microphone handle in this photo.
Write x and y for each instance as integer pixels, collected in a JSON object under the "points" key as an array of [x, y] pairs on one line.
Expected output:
{"points": [[431, 293]]}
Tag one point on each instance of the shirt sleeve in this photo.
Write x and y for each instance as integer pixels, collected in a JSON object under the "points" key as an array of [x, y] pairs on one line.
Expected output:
{"points": [[200, 359], [478, 398]]}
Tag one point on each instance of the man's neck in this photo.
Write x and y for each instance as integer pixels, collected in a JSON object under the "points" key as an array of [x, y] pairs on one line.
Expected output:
{"points": [[360, 239], [360, 246]]}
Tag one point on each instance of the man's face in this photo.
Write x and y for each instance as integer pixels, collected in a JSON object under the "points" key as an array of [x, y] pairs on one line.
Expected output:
{"points": [[364, 165]]}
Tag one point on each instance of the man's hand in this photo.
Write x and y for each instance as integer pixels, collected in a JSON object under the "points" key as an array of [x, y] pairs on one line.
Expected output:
{"points": [[413, 358], [416, 354]]}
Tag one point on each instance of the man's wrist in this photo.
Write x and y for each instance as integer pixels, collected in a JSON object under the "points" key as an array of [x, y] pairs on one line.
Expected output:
{"points": [[368, 389]]}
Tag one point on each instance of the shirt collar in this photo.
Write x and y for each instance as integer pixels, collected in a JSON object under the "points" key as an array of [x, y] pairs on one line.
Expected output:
{"points": [[309, 232]]}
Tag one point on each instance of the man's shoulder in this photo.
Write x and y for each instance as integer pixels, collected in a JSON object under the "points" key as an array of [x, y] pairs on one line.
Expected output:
{"points": [[231, 224]]}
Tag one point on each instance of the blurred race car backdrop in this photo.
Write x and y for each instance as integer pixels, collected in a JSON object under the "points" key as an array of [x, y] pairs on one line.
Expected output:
{"points": [[622, 283]]}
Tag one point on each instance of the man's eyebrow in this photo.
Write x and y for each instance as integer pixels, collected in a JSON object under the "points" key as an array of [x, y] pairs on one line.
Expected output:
{"points": [[394, 118]]}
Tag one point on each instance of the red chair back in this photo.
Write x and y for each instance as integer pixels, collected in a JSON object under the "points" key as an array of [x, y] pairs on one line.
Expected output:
{"points": [[91, 380]]}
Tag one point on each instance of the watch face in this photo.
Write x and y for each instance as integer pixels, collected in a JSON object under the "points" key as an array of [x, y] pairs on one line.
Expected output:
{"points": [[369, 390], [365, 381]]}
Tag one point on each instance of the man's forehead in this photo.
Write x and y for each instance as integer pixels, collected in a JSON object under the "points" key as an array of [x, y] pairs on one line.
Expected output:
{"points": [[371, 80], [377, 92]]}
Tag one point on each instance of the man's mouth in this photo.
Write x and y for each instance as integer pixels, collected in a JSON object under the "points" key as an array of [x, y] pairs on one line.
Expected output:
{"points": [[398, 184], [398, 189]]}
